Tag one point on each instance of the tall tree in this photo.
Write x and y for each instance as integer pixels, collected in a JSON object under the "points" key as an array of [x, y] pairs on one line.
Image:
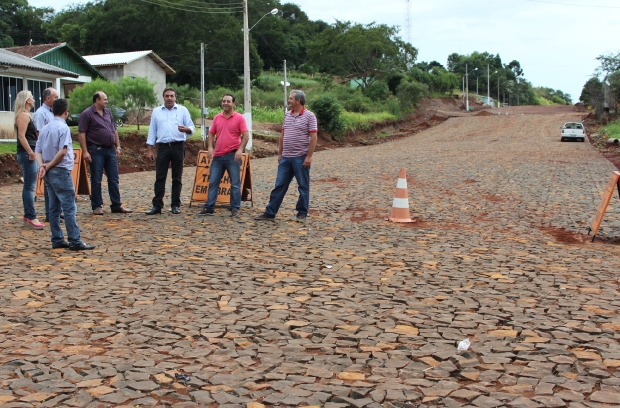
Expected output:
{"points": [[20, 23], [136, 95], [482, 61], [362, 52], [610, 63]]}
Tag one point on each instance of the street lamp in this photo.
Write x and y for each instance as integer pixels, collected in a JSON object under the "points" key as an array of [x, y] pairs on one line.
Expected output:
{"points": [[489, 85], [498, 103], [247, 94], [467, 87]]}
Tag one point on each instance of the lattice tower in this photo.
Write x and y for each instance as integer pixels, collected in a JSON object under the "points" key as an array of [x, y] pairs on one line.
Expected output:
{"points": [[408, 21]]}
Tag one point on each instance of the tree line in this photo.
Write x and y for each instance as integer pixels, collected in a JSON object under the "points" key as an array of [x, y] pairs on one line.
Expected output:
{"points": [[373, 56], [602, 90]]}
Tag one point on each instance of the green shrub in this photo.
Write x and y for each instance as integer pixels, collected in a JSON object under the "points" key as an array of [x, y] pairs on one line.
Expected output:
{"points": [[393, 81], [267, 83], [558, 100], [392, 105], [82, 96], [410, 93], [612, 129], [186, 92], [194, 111], [328, 83], [543, 101], [266, 114], [213, 97], [358, 103], [271, 99], [328, 112], [308, 69], [378, 91]]}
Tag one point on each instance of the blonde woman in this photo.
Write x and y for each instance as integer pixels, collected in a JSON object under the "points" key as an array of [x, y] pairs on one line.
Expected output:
{"points": [[26, 142]]}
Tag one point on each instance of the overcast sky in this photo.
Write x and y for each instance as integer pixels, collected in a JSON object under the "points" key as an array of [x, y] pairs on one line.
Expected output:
{"points": [[556, 41]]}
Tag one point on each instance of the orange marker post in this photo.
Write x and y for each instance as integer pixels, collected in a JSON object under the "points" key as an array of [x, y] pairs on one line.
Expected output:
{"points": [[400, 205], [614, 181]]}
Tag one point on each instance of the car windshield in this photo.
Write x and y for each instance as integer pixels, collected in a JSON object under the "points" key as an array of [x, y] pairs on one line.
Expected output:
{"points": [[573, 125]]}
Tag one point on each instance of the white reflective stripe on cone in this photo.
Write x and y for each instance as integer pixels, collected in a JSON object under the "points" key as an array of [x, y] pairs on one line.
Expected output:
{"points": [[400, 203], [401, 183]]}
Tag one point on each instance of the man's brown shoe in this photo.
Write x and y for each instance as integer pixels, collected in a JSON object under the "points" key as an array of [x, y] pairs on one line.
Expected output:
{"points": [[98, 211], [122, 210]]}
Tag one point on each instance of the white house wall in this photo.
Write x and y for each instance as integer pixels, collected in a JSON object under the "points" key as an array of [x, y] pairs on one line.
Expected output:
{"points": [[7, 119], [113, 73], [145, 66]]}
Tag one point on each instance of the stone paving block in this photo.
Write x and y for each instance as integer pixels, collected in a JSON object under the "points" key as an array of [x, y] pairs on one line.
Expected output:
{"points": [[497, 252]]}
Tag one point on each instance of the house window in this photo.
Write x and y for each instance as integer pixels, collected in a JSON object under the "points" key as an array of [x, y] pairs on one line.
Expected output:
{"points": [[37, 88], [9, 88]]}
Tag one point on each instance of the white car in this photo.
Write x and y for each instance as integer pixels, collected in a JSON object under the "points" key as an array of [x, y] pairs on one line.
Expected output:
{"points": [[573, 131]]}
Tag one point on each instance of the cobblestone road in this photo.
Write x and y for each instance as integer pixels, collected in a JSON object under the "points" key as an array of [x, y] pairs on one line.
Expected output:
{"points": [[346, 310]]}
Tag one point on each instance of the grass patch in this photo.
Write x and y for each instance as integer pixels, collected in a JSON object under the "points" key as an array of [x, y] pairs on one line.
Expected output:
{"points": [[8, 148], [263, 114], [544, 101], [144, 130], [11, 147], [295, 81], [365, 121], [612, 130]]}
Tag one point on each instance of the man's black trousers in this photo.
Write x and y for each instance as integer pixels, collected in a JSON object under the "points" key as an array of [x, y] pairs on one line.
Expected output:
{"points": [[169, 155]]}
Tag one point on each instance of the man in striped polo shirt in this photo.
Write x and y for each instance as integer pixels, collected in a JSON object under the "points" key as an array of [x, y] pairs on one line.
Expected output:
{"points": [[296, 146]]}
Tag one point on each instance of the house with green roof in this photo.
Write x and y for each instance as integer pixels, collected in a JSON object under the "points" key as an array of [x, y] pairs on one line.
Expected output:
{"points": [[61, 55]]}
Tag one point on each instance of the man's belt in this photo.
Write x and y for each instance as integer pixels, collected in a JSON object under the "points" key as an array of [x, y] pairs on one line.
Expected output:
{"points": [[171, 143], [102, 146]]}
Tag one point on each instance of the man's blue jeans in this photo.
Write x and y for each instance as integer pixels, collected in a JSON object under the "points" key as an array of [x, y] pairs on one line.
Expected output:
{"points": [[216, 171], [104, 158], [61, 194], [288, 168], [29, 171]]}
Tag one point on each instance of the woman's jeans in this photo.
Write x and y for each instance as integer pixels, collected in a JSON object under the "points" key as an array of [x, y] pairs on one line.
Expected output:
{"points": [[29, 171]]}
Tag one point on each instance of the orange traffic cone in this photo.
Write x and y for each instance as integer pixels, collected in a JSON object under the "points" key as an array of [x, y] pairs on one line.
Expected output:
{"points": [[400, 205]]}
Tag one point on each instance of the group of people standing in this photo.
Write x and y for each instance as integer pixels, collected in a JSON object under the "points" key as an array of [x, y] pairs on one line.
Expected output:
{"points": [[44, 149]]}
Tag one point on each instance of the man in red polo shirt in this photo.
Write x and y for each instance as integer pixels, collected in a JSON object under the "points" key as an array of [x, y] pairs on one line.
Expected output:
{"points": [[232, 135]]}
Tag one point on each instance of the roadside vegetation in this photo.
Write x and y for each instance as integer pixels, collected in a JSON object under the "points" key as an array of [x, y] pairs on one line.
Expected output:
{"points": [[612, 130], [602, 91], [356, 75]]}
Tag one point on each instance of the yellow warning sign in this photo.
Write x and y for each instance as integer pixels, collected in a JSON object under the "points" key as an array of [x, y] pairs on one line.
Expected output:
{"points": [[79, 175], [614, 181], [200, 190]]}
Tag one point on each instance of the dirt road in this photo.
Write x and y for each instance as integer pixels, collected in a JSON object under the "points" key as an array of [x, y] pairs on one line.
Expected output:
{"points": [[346, 309]]}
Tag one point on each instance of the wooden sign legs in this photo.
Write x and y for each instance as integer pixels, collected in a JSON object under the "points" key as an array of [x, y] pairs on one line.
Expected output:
{"points": [[614, 181], [200, 189], [79, 175]]}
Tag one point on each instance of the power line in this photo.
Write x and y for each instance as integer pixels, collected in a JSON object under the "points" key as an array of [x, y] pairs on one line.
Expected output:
{"points": [[572, 4], [215, 4], [202, 8], [193, 11]]}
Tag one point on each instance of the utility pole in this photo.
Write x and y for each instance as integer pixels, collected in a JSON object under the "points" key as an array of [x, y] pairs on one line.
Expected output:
{"points": [[247, 94], [203, 129], [466, 89], [488, 86], [285, 95], [498, 105]]}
